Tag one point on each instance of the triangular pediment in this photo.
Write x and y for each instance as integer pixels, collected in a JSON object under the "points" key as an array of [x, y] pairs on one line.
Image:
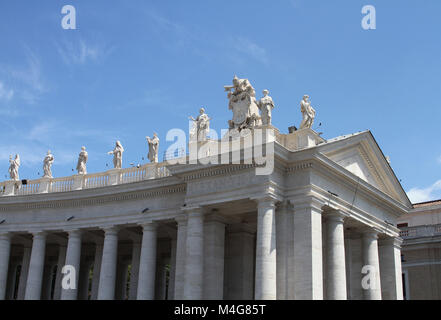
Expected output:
{"points": [[361, 155]]}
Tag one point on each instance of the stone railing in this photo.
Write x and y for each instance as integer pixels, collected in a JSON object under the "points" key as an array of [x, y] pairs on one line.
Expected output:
{"points": [[421, 231], [86, 181]]}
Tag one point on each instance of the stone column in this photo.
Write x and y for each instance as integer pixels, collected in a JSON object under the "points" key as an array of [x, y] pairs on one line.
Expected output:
{"points": [[240, 241], [121, 280], [73, 259], [106, 289], [134, 271], [147, 263], [83, 281], [96, 270], [390, 269], [214, 251], [171, 284], [194, 265], [60, 264], [308, 255], [335, 256], [282, 250], [12, 273], [5, 251], [266, 259], [371, 267], [36, 266], [180, 257], [24, 272]]}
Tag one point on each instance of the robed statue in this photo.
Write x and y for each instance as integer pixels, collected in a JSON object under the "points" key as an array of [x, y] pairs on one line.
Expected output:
{"points": [[117, 155], [201, 126], [82, 159], [14, 164], [308, 113], [266, 105], [153, 148], [47, 165]]}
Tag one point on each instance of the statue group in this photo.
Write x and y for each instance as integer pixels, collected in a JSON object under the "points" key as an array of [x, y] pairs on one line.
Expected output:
{"points": [[248, 112]]}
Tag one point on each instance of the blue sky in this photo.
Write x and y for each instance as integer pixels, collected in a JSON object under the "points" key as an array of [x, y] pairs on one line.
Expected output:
{"points": [[135, 67]]}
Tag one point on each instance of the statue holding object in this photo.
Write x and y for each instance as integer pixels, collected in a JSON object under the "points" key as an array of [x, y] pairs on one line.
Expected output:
{"points": [[153, 148], [117, 155]]}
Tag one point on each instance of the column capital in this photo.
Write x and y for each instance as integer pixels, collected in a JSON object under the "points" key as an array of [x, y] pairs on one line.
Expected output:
{"points": [[395, 242], [369, 233], [110, 230], [267, 200], [336, 215], [5, 236], [149, 226], [307, 201], [181, 219], [39, 234], [74, 232]]}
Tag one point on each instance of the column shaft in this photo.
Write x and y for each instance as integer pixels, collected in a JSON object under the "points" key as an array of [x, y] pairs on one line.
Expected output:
{"points": [[60, 264], [147, 263], [214, 252], [390, 269], [36, 267], [96, 270], [73, 260], [171, 284], [266, 259], [194, 265], [134, 271], [24, 273], [106, 289], [181, 249], [335, 260], [371, 268], [308, 255], [5, 250]]}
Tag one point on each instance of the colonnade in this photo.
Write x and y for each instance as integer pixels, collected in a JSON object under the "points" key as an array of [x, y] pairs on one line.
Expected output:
{"points": [[295, 250]]}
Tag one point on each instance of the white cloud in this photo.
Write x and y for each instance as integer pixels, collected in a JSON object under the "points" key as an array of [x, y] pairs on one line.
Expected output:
{"points": [[81, 52], [248, 47], [432, 192], [439, 159], [5, 94]]}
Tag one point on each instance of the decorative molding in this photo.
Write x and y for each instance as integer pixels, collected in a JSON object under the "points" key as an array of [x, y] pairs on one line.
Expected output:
{"points": [[53, 204], [218, 171], [297, 167]]}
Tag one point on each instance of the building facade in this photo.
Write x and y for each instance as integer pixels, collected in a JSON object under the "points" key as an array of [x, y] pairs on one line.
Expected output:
{"points": [[321, 225], [421, 251]]}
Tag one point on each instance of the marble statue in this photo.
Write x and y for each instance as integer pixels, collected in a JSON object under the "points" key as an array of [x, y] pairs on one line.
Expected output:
{"points": [[308, 113], [153, 148], [266, 105], [242, 101], [117, 155], [47, 165], [13, 167], [201, 126], [82, 159]]}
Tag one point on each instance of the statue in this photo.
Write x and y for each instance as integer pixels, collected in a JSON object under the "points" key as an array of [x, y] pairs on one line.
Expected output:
{"points": [[266, 105], [201, 126], [117, 155], [243, 103], [153, 148], [308, 113], [47, 164], [13, 167], [82, 159]]}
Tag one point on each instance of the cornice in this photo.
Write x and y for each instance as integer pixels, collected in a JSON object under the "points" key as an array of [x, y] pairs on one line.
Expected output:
{"points": [[97, 200]]}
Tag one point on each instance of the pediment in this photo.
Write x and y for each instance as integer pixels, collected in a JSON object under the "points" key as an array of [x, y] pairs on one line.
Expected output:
{"points": [[361, 155]]}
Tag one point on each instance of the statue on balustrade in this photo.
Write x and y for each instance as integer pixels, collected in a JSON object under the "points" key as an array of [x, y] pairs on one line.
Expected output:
{"points": [[117, 155], [308, 113], [153, 148], [14, 164], [82, 159], [201, 126], [47, 165], [266, 105], [243, 103]]}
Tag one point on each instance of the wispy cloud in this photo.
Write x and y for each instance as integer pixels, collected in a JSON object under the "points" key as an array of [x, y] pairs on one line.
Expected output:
{"points": [[439, 159], [247, 47], [432, 192], [5, 93], [24, 82], [80, 52]]}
